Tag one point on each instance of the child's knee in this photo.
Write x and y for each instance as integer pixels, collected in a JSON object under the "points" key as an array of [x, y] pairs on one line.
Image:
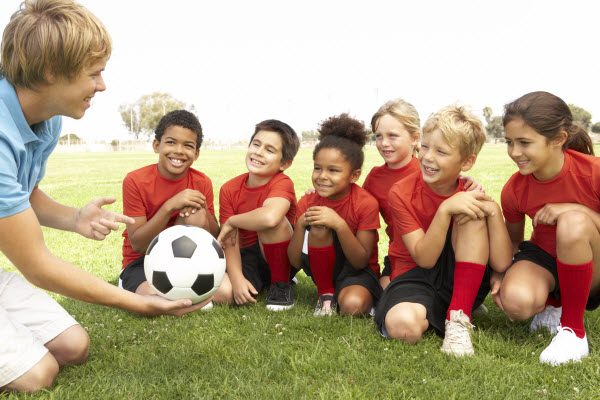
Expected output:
{"points": [[199, 219], [519, 302], [71, 347], [354, 305], [320, 236], [573, 226], [405, 326]]}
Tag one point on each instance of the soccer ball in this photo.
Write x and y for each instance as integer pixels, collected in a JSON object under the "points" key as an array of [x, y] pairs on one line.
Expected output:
{"points": [[184, 262]]}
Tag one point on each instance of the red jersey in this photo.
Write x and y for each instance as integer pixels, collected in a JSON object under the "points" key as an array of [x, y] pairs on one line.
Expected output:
{"points": [[380, 181], [413, 205], [145, 190], [237, 198], [577, 182], [358, 208]]}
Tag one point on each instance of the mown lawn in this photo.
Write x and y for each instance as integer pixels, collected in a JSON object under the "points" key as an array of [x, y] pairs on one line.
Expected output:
{"points": [[250, 353]]}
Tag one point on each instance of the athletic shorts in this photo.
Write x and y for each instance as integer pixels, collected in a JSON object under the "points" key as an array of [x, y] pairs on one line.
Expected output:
{"points": [[133, 275], [387, 267], [530, 251], [255, 267], [430, 287], [344, 274], [29, 318]]}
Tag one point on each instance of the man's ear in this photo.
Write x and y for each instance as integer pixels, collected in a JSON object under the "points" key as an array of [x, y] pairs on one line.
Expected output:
{"points": [[468, 163], [285, 165], [355, 175]]}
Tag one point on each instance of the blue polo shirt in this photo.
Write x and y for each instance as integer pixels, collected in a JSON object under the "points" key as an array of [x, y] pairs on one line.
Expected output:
{"points": [[24, 151]]}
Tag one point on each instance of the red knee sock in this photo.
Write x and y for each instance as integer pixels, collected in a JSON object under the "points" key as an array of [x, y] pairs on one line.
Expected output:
{"points": [[551, 301], [322, 261], [575, 282], [279, 263], [467, 279]]}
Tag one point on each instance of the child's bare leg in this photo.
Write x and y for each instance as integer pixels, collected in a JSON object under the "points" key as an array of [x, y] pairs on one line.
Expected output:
{"points": [[355, 300], [407, 322], [384, 281], [224, 295], [72, 346], [524, 290], [199, 219], [39, 377], [280, 233]]}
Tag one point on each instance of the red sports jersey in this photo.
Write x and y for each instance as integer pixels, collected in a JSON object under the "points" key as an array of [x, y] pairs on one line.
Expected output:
{"points": [[577, 182], [358, 208], [145, 190], [380, 181], [413, 205], [236, 198]]}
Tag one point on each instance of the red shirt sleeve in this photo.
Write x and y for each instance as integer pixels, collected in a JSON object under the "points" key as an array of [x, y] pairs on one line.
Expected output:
{"points": [[225, 203], [282, 186], [509, 202], [133, 204], [403, 216]]}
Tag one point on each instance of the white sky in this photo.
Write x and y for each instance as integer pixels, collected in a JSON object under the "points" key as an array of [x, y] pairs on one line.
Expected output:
{"points": [[240, 62]]}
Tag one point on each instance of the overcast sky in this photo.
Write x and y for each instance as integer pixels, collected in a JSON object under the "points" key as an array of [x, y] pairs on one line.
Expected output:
{"points": [[240, 62]]}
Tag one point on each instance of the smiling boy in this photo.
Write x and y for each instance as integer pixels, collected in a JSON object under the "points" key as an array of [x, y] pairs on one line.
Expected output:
{"points": [[53, 55], [443, 239], [256, 212]]}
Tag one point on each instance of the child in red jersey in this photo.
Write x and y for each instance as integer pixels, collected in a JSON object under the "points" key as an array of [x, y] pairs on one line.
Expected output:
{"points": [[335, 230], [558, 187], [168, 193], [443, 239], [397, 129], [256, 212]]}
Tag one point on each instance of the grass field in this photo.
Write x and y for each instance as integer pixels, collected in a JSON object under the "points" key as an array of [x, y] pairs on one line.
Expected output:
{"points": [[250, 353]]}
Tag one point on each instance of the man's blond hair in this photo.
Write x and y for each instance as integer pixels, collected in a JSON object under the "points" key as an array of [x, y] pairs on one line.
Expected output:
{"points": [[459, 127], [57, 36]]}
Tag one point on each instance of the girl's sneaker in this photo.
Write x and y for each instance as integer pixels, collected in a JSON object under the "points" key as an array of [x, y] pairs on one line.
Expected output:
{"points": [[565, 347], [457, 340], [549, 319], [326, 305]]}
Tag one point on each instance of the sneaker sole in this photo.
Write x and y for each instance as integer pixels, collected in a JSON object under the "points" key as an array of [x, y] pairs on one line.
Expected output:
{"points": [[274, 307]]}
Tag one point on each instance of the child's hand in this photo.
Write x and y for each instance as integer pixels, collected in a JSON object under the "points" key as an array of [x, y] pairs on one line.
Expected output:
{"points": [[310, 191], [471, 184], [187, 198], [243, 291], [464, 218], [227, 236], [548, 215], [472, 204], [323, 216], [187, 211], [495, 283]]}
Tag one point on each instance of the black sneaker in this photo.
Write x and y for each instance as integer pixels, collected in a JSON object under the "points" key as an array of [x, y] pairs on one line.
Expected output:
{"points": [[280, 297]]}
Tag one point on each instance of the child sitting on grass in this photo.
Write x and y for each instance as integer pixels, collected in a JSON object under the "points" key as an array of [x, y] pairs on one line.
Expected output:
{"points": [[443, 239], [168, 193], [336, 229], [256, 212]]}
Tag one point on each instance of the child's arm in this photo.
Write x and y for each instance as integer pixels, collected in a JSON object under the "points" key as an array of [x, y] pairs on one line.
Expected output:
{"points": [[272, 212], [516, 232], [297, 242], [425, 247], [548, 215], [142, 231], [243, 290], [499, 241], [357, 249]]}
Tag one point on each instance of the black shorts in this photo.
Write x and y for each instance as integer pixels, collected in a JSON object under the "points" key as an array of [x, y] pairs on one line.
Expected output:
{"points": [[344, 274], [387, 267], [133, 275], [430, 287], [254, 267], [531, 252]]}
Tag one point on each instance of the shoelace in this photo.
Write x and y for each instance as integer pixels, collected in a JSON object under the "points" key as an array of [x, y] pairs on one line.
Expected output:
{"points": [[457, 334]]}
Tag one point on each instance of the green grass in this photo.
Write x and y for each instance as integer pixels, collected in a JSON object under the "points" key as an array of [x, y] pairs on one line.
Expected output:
{"points": [[248, 352]]}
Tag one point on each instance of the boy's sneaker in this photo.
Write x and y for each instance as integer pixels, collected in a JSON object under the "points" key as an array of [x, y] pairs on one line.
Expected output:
{"points": [[207, 306], [326, 305], [280, 297], [549, 319], [457, 340], [565, 347]]}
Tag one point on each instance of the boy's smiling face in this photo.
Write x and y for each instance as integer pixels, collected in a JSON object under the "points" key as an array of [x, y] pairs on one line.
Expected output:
{"points": [[176, 151], [263, 158], [441, 163]]}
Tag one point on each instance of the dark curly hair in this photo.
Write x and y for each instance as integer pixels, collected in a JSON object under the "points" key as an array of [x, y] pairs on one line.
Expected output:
{"points": [[182, 118], [346, 134], [289, 139]]}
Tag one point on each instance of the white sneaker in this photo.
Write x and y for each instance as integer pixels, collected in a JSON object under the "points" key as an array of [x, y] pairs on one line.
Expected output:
{"points": [[208, 306], [565, 347], [457, 340], [549, 319]]}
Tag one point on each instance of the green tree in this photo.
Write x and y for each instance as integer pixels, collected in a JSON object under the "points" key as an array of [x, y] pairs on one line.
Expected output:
{"points": [[70, 138], [494, 127], [309, 135], [581, 117], [141, 117], [596, 127]]}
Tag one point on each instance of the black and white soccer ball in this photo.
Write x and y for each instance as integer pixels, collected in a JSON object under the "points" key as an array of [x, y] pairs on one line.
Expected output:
{"points": [[184, 262]]}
